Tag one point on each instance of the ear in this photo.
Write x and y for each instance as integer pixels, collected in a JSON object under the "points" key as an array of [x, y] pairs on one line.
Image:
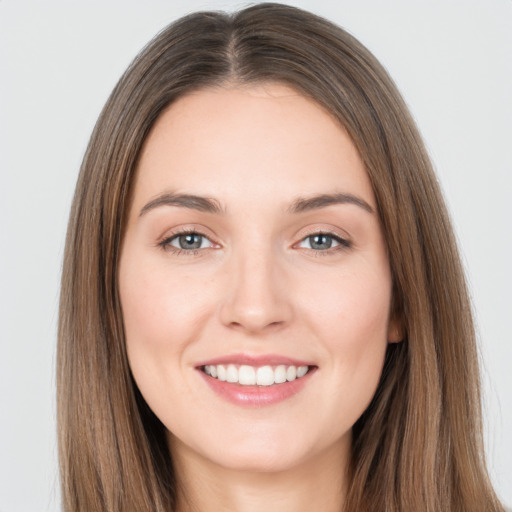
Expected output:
{"points": [[395, 328]]}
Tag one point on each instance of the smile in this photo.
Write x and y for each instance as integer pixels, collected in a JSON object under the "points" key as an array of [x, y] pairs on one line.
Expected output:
{"points": [[246, 375], [256, 381]]}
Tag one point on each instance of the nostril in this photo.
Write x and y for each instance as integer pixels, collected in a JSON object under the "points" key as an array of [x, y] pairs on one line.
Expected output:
{"points": [[256, 326]]}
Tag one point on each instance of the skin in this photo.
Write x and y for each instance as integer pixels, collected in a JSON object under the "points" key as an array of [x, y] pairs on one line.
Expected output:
{"points": [[256, 286]]}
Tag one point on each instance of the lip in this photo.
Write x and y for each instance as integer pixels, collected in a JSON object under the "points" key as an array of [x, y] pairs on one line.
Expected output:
{"points": [[256, 396], [255, 360]]}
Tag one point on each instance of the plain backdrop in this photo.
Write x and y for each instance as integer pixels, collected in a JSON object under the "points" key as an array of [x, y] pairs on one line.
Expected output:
{"points": [[59, 61]]}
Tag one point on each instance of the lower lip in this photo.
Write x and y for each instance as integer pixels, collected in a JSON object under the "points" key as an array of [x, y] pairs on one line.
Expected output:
{"points": [[256, 396]]}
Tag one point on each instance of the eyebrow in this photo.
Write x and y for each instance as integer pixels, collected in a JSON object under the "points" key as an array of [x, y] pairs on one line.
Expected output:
{"points": [[210, 205], [193, 202], [304, 204]]}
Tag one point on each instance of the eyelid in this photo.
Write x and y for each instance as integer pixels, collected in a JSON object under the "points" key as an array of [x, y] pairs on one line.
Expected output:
{"points": [[177, 238], [343, 239], [323, 229], [339, 241], [164, 241]]}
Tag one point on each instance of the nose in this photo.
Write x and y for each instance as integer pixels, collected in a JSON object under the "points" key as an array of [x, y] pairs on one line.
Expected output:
{"points": [[257, 298]]}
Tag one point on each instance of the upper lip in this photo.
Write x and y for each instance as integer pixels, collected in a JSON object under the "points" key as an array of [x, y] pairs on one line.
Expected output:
{"points": [[255, 360]]}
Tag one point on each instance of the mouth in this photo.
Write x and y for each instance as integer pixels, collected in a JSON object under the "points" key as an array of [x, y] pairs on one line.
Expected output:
{"points": [[246, 375], [256, 381]]}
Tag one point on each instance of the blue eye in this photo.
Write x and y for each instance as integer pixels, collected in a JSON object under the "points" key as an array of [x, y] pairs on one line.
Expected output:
{"points": [[186, 242], [323, 242]]}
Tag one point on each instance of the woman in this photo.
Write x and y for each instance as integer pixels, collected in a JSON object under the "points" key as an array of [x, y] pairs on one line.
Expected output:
{"points": [[262, 301]]}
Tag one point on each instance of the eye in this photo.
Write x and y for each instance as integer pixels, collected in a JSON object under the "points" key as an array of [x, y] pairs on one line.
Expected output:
{"points": [[323, 242], [189, 241]]}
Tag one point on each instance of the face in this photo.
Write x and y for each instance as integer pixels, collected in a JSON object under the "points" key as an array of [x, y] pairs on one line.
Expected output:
{"points": [[254, 279]]}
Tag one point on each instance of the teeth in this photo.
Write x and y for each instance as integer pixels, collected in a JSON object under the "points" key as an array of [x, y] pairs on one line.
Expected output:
{"points": [[249, 376], [265, 376], [221, 372], [291, 373], [280, 374], [246, 376], [232, 373], [301, 371]]}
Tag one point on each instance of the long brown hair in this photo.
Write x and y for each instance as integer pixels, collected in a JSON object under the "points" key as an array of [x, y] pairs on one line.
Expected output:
{"points": [[418, 447]]}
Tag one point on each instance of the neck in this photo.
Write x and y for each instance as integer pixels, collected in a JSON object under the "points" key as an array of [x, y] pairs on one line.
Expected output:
{"points": [[318, 483]]}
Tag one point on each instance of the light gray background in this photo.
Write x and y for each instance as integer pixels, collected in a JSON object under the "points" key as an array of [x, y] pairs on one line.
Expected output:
{"points": [[58, 62]]}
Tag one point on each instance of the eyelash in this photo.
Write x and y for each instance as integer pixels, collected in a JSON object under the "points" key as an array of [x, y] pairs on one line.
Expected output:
{"points": [[165, 244], [343, 243]]}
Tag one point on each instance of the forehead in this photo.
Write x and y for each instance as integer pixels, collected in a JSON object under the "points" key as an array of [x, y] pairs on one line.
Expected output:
{"points": [[249, 140]]}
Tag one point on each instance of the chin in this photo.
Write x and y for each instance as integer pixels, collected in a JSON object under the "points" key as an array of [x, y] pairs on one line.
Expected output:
{"points": [[260, 461], [269, 452]]}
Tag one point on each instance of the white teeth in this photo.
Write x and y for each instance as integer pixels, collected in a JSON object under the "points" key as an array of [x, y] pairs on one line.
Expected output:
{"points": [[280, 374], [246, 375], [232, 373], [301, 371], [221, 372], [291, 373], [265, 376]]}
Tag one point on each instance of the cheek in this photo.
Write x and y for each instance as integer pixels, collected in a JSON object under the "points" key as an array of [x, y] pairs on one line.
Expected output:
{"points": [[353, 306], [157, 308], [161, 315], [350, 319]]}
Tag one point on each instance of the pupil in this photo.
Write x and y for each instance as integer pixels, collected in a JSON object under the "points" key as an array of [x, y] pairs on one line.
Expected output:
{"points": [[190, 241], [321, 242]]}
